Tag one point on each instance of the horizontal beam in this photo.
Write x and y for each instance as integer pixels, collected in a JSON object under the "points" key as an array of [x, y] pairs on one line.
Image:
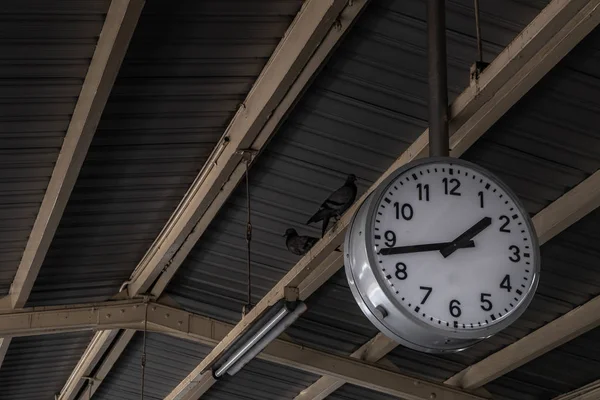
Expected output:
{"points": [[590, 391], [306, 45], [60, 319], [562, 213], [534, 52], [120, 22], [200, 329]]}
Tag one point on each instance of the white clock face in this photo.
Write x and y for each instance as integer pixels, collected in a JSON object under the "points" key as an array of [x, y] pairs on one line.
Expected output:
{"points": [[453, 247]]}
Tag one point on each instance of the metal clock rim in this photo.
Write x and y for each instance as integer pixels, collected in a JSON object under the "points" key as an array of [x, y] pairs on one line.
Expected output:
{"points": [[458, 334]]}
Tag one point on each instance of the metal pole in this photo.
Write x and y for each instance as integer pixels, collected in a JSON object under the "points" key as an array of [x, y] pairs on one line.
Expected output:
{"points": [[438, 81]]}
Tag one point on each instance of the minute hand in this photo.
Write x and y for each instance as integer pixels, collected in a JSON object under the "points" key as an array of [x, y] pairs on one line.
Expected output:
{"points": [[417, 248], [466, 236]]}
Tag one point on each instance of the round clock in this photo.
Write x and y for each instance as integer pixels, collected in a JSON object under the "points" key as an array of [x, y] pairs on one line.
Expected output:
{"points": [[442, 255]]}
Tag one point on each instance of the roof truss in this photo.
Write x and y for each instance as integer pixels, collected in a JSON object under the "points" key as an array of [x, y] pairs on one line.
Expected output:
{"points": [[532, 54], [112, 45], [307, 44], [131, 314], [558, 216]]}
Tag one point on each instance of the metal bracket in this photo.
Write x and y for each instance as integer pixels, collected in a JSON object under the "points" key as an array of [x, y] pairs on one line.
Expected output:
{"points": [[246, 309], [291, 293], [247, 154], [476, 70], [90, 379]]}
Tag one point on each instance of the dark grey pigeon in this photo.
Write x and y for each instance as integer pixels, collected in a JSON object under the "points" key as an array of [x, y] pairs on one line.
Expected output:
{"points": [[299, 245], [336, 204]]}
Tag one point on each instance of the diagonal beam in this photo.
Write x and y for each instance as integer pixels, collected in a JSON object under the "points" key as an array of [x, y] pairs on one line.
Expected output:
{"points": [[534, 52], [116, 33], [183, 324], [226, 165], [558, 216], [311, 38], [590, 391]]}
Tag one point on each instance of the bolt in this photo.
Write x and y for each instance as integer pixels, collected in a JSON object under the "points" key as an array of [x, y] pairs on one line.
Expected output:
{"points": [[135, 307], [122, 311], [154, 308], [167, 315], [179, 323], [416, 383], [380, 312], [107, 315], [432, 396]]}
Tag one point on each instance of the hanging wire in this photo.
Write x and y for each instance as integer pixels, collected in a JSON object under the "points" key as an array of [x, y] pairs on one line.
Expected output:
{"points": [[478, 32], [248, 237], [143, 363]]}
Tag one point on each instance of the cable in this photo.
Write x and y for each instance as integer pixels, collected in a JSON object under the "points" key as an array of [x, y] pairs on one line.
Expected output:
{"points": [[478, 32], [248, 237], [143, 363]]}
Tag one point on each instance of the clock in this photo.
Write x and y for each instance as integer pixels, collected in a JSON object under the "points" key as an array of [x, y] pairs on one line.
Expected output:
{"points": [[442, 255]]}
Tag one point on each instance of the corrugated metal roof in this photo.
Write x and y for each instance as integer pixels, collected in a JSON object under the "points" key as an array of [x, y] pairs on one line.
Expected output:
{"points": [[45, 50], [261, 380], [36, 367], [168, 361], [364, 109], [188, 67]]}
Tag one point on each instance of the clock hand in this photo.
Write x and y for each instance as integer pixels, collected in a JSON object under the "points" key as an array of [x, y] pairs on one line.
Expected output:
{"points": [[417, 248], [466, 236]]}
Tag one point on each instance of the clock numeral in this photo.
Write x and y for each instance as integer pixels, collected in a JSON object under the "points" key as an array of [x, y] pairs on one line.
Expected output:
{"points": [[428, 290], [454, 190], [423, 191], [406, 211], [390, 238], [505, 284], [401, 272], [486, 305], [506, 222], [480, 199], [516, 257], [455, 310]]}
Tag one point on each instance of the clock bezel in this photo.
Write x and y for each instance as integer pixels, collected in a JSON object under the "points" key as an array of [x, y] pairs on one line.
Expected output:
{"points": [[459, 334]]}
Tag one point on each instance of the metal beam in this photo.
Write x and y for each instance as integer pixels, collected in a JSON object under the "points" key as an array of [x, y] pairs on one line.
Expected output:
{"points": [[183, 324], [311, 38], [116, 33], [84, 368], [532, 54], [226, 164], [549, 222], [82, 317], [4, 344], [558, 216], [590, 391]]}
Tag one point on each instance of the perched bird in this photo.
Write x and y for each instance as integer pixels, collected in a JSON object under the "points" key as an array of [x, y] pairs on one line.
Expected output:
{"points": [[297, 244], [336, 204]]}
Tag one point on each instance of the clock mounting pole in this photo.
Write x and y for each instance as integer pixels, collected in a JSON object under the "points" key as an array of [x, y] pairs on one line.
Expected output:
{"points": [[438, 91]]}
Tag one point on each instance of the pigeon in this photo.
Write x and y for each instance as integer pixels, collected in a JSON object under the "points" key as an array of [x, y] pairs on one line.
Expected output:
{"points": [[336, 204], [299, 245]]}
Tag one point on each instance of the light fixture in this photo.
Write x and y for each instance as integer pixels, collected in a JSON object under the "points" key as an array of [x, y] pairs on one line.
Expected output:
{"points": [[276, 320]]}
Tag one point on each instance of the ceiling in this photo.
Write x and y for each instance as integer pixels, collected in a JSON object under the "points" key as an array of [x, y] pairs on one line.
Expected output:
{"points": [[189, 68]]}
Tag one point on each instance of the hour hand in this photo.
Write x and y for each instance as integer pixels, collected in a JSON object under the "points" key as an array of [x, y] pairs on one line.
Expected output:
{"points": [[418, 248], [466, 236]]}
